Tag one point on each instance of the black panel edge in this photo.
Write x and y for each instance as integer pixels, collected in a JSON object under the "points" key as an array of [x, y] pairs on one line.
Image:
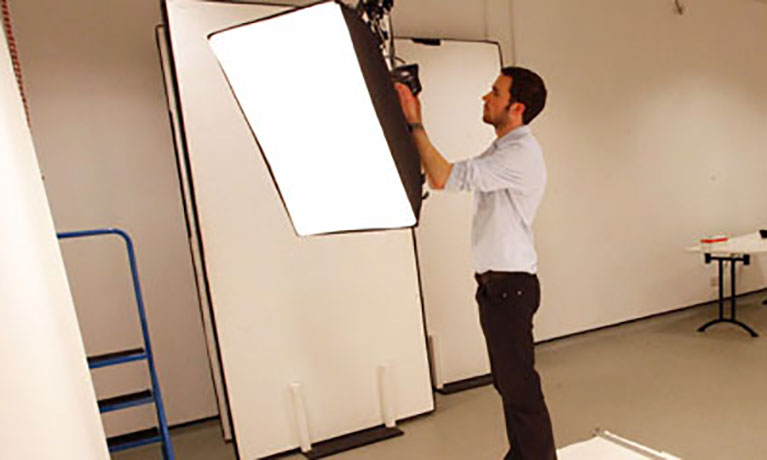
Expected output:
{"points": [[466, 384], [279, 455], [387, 107], [352, 441], [427, 41], [344, 443]]}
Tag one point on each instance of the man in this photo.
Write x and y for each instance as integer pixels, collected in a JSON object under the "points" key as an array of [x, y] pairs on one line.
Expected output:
{"points": [[508, 180]]}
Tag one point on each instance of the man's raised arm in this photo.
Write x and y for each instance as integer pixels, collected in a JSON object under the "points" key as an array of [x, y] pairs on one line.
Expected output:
{"points": [[436, 166]]}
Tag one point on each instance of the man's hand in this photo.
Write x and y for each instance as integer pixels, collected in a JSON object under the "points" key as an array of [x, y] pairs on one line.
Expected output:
{"points": [[411, 106]]}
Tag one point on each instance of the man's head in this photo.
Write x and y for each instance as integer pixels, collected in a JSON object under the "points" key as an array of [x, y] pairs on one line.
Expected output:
{"points": [[517, 97]]}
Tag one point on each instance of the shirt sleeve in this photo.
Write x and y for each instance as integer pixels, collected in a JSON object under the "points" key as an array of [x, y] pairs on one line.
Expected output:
{"points": [[510, 168]]}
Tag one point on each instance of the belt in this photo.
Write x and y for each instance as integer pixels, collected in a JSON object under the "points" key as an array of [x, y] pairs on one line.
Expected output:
{"points": [[491, 276]]}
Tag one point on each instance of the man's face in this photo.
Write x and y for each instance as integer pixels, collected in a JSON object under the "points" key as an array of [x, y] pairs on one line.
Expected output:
{"points": [[497, 102]]}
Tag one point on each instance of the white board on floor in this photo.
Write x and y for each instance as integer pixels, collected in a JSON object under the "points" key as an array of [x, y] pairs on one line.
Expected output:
{"points": [[607, 446], [455, 75], [324, 312]]}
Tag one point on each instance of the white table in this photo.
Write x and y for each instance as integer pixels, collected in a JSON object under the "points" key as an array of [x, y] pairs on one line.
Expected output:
{"points": [[734, 250]]}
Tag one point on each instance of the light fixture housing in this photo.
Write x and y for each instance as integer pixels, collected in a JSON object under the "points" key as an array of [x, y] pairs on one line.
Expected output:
{"points": [[318, 97]]}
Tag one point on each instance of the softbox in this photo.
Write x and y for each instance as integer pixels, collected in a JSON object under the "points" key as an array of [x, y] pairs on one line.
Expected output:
{"points": [[318, 97]]}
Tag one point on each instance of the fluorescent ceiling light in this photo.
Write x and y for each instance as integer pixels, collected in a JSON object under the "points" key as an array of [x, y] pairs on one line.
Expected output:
{"points": [[317, 95]]}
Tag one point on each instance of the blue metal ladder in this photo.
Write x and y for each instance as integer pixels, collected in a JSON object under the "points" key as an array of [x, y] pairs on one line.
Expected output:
{"points": [[148, 396]]}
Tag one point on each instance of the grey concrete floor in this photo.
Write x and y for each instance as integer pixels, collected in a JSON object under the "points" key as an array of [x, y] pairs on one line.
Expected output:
{"points": [[655, 381]]}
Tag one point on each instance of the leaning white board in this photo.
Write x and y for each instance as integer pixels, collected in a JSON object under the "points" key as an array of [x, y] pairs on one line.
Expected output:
{"points": [[48, 403], [455, 75], [324, 312], [194, 241]]}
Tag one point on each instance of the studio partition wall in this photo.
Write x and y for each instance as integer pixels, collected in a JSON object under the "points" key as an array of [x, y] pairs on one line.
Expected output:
{"points": [[319, 336], [455, 75]]}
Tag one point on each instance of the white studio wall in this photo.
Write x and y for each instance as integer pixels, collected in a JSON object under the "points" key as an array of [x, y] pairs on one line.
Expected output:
{"points": [[654, 136], [101, 130], [474, 20], [455, 75], [449, 19], [310, 329], [49, 406]]}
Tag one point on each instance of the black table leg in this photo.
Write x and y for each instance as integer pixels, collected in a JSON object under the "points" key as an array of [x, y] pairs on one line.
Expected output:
{"points": [[732, 302], [732, 320], [721, 295]]}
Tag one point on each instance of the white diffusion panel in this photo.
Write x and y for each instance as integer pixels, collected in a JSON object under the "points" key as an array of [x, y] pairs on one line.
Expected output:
{"points": [[324, 313], [455, 75], [300, 86]]}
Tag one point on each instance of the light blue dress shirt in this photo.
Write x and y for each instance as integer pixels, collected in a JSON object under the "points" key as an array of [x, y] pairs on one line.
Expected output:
{"points": [[508, 181]]}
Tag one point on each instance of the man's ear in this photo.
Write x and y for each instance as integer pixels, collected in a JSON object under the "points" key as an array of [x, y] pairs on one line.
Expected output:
{"points": [[517, 109]]}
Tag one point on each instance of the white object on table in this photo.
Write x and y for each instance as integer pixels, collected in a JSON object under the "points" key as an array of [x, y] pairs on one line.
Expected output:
{"points": [[745, 244]]}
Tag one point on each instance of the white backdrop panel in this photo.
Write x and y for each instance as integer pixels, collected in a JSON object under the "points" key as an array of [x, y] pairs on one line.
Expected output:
{"points": [[324, 312], [48, 404], [455, 75]]}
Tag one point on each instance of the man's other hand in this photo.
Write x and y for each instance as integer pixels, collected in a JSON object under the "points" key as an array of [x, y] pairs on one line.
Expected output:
{"points": [[411, 106]]}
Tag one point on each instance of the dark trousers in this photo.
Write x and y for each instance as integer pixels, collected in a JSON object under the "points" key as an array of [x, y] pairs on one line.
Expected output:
{"points": [[507, 303]]}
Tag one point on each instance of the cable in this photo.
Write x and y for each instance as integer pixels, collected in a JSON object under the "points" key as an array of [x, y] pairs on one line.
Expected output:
{"points": [[392, 49], [14, 53]]}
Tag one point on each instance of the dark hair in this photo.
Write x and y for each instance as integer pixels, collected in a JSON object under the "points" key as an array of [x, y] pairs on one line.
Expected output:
{"points": [[527, 87]]}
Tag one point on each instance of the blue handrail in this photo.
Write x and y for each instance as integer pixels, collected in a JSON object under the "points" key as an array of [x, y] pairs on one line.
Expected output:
{"points": [[165, 434]]}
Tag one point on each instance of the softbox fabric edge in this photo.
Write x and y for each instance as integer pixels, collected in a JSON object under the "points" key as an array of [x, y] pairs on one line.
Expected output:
{"points": [[387, 107]]}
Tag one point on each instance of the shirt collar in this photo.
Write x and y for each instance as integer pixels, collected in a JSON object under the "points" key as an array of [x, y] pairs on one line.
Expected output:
{"points": [[512, 136]]}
